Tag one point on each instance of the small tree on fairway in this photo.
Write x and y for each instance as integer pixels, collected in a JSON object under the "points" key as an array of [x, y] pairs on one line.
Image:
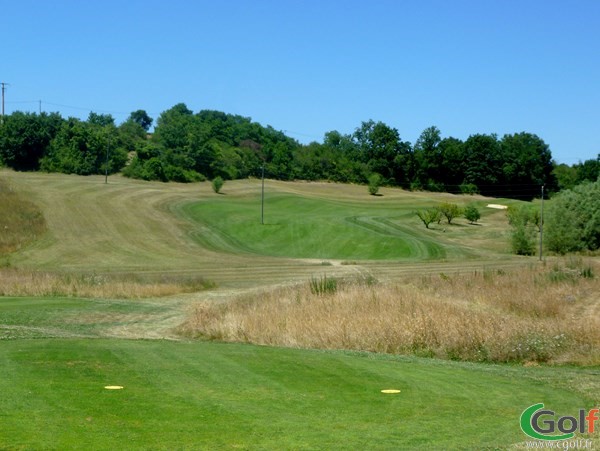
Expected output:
{"points": [[217, 184], [375, 181], [428, 216], [471, 214], [450, 211]]}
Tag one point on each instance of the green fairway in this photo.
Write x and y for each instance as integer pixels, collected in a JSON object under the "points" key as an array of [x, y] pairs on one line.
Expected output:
{"points": [[204, 395], [304, 227]]}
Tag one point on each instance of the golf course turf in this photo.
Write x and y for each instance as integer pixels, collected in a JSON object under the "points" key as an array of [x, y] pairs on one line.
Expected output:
{"points": [[58, 352]]}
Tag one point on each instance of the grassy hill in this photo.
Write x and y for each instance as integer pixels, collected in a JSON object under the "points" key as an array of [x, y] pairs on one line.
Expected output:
{"points": [[102, 295], [129, 225]]}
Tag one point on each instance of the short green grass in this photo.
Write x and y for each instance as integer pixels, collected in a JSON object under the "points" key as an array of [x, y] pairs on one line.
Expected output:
{"points": [[198, 395], [304, 227], [54, 317]]}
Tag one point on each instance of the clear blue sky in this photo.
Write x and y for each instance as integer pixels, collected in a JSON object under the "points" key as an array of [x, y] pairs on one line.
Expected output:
{"points": [[308, 67]]}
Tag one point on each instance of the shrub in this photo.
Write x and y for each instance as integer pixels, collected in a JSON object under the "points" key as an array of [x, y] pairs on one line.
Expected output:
{"points": [[471, 214], [436, 187], [522, 239], [469, 188], [573, 222], [217, 184], [375, 182], [524, 223]]}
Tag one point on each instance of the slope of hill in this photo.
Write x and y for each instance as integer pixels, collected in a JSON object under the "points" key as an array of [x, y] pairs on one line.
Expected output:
{"points": [[129, 225]]}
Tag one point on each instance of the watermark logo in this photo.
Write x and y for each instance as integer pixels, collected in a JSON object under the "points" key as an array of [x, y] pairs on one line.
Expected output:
{"points": [[542, 424]]}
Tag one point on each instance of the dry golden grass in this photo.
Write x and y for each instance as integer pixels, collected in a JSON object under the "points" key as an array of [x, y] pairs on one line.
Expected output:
{"points": [[21, 221], [540, 314], [14, 282]]}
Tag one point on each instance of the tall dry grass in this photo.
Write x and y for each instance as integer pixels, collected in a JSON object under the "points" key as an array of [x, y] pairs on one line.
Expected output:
{"points": [[21, 221], [541, 314], [17, 282]]}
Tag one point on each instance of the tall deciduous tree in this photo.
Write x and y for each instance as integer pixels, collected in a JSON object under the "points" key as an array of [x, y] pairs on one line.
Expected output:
{"points": [[25, 138], [81, 148], [172, 127], [428, 156], [483, 163], [526, 166], [141, 118], [452, 166], [382, 150], [103, 120]]}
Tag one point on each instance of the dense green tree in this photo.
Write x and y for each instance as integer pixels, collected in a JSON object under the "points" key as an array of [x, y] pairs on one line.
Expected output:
{"points": [[526, 166], [131, 135], [381, 149], [588, 171], [141, 118], [81, 148], [452, 166], [103, 120], [25, 138], [344, 153], [565, 175], [188, 146], [483, 163], [173, 126], [428, 157], [212, 143], [573, 220]]}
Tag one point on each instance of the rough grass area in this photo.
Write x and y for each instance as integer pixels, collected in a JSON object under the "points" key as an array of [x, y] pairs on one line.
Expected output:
{"points": [[18, 282], [541, 314], [179, 395], [21, 221]]}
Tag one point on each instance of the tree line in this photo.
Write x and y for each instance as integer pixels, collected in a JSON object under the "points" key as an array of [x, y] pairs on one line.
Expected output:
{"points": [[187, 146]]}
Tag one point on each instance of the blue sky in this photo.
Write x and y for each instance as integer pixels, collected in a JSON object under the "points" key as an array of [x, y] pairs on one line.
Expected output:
{"points": [[308, 67]]}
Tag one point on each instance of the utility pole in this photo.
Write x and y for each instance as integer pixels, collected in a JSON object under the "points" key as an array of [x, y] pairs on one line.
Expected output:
{"points": [[542, 225], [40, 107], [262, 197], [106, 164], [2, 117]]}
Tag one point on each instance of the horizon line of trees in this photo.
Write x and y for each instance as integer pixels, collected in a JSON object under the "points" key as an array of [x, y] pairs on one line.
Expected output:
{"points": [[188, 146]]}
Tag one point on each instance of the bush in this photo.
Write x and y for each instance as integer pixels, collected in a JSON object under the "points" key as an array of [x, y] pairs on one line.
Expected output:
{"points": [[375, 182], [522, 240], [471, 214], [217, 184], [435, 187], [573, 222], [525, 223], [469, 188]]}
